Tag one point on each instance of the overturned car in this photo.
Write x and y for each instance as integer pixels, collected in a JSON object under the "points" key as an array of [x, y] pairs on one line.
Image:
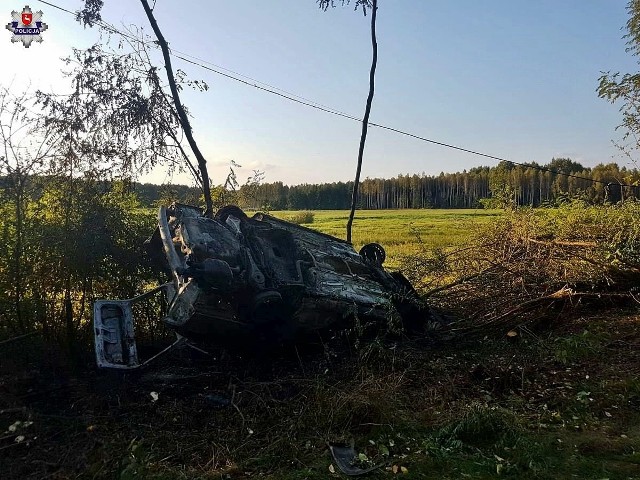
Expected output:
{"points": [[258, 280]]}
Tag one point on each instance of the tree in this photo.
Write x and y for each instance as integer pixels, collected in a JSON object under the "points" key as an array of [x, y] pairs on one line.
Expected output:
{"points": [[65, 235], [373, 5], [503, 192], [625, 88], [90, 15], [564, 165], [118, 119], [27, 143]]}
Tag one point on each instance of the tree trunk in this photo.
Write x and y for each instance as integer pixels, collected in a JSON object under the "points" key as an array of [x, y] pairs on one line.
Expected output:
{"points": [[365, 120], [18, 252], [182, 115]]}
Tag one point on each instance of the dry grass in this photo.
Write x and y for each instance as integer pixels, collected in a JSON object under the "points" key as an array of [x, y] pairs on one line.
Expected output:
{"points": [[441, 412], [532, 265]]}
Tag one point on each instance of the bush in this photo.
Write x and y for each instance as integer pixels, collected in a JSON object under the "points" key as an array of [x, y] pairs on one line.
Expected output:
{"points": [[532, 264], [304, 216]]}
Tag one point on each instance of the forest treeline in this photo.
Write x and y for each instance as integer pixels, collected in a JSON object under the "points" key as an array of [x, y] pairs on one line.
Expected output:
{"points": [[481, 187], [500, 186]]}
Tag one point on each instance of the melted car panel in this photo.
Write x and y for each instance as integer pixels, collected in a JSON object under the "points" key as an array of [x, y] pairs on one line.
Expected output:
{"points": [[261, 279]]}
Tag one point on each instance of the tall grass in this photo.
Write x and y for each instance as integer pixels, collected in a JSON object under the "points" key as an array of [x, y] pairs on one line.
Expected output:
{"points": [[303, 217], [402, 232], [530, 263]]}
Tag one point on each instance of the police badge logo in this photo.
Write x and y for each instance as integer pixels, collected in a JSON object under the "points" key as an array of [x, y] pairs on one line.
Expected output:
{"points": [[27, 18], [26, 26]]}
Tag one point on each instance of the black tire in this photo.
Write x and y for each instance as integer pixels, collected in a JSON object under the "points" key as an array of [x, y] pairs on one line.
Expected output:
{"points": [[374, 253], [223, 213]]}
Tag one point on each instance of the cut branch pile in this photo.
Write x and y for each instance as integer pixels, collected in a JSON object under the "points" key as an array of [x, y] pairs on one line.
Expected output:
{"points": [[535, 266]]}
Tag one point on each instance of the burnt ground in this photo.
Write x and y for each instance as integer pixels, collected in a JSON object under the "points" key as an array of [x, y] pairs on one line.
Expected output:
{"points": [[559, 403]]}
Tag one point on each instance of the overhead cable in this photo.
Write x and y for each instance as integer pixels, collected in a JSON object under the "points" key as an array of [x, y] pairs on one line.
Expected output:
{"points": [[265, 87]]}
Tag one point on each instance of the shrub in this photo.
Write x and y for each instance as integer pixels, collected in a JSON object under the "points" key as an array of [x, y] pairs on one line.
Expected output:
{"points": [[531, 263], [304, 216]]}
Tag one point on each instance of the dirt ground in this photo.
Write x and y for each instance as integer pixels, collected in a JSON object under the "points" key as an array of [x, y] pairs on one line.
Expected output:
{"points": [[558, 403]]}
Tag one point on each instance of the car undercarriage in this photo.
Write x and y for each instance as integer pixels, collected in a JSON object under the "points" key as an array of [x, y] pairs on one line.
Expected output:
{"points": [[254, 280]]}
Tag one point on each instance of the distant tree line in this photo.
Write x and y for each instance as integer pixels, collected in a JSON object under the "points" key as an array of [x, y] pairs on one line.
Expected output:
{"points": [[501, 186], [497, 187]]}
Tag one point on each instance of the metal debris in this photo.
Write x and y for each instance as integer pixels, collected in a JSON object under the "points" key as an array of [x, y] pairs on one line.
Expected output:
{"points": [[258, 280], [345, 458]]}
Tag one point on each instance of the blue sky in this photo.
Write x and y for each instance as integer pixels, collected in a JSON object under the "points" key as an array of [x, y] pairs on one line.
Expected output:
{"points": [[511, 78]]}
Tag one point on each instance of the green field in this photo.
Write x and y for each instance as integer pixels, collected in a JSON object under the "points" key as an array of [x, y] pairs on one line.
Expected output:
{"points": [[398, 230]]}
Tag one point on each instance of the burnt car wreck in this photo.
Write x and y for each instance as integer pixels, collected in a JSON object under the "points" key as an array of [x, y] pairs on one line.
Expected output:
{"points": [[259, 279]]}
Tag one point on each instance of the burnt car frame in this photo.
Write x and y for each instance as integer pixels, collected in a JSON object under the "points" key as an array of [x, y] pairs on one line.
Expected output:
{"points": [[258, 280]]}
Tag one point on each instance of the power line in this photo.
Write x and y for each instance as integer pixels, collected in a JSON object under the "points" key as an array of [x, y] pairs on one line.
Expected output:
{"points": [[250, 79], [307, 103], [219, 70], [401, 132], [58, 7], [231, 73], [246, 80]]}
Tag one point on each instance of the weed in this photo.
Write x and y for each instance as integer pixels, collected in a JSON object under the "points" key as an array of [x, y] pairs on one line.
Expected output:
{"points": [[136, 463], [529, 413], [299, 218], [479, 426], [575, 347]]}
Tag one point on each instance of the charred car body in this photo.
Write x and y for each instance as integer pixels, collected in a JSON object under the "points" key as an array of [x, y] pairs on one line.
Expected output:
{"points": [[258, 279]]}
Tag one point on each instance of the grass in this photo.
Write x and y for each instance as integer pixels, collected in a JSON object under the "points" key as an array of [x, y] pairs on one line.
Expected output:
{"points": [[398, 230], [560, 402]]}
